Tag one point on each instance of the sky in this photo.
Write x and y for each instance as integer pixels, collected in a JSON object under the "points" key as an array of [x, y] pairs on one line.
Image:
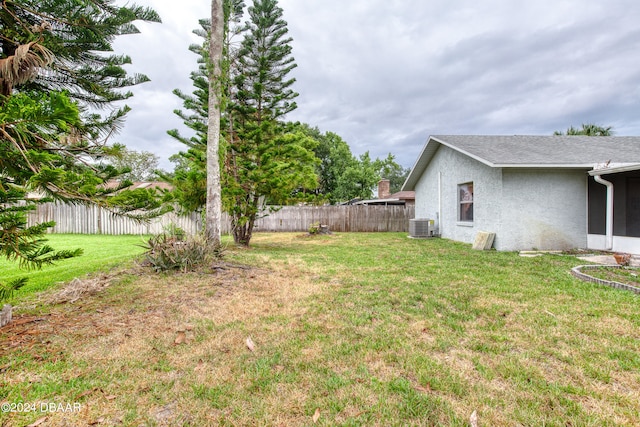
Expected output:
{"points": [[387, 74]]}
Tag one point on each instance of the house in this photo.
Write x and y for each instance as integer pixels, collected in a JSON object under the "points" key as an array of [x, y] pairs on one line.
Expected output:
{"points": [[533, 192], [385, 198], [158, 185]]}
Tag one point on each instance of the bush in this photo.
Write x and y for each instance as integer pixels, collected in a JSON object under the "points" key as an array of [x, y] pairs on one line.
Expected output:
{"points": [[175, 231], [177, 252], [314, 228]]}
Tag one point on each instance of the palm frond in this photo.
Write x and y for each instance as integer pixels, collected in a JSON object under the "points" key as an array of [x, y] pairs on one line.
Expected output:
{"points": [[25, 64]]}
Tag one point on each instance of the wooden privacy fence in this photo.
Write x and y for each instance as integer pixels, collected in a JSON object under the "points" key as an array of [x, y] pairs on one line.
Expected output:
{"points": [[81, 219], [339, 218]]}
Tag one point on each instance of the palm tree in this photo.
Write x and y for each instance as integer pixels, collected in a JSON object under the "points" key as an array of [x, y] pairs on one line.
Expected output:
{"points": [[589, 129], [214, 198], [23, 65]]}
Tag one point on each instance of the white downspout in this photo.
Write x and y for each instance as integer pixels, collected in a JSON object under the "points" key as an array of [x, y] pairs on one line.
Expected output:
{"points": [[609, 219], [440, 203]]}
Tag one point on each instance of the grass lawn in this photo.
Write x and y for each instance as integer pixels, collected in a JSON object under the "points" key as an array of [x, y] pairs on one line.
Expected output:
{"points": [[99, 253], [349, 329]]}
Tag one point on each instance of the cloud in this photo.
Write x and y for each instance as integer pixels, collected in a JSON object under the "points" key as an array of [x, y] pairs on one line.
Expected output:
{"points": [[384, 75]]}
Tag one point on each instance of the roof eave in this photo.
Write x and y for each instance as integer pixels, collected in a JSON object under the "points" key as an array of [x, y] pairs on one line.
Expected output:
{"points": [[466, 153], [427, 153], [544, 166], [418, 167], [615, 169]]}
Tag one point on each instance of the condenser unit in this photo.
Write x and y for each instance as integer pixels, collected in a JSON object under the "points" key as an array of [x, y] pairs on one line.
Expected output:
{"points": [[421, 227]]}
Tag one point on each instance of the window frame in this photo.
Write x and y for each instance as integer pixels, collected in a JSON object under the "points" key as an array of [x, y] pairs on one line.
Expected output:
{"points": [[465, 187]]}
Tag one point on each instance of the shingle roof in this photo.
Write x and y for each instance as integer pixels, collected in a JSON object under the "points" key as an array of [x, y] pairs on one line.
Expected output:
{"points": [[160, 185], [404, 195], [532, 151]]}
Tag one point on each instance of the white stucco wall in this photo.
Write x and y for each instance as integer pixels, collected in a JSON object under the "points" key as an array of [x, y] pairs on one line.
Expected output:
{"points": [[526, 208], [543, 209], [454, 169]]}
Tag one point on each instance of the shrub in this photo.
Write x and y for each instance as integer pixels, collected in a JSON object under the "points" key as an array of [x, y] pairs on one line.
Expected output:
{"points": [[173, 230], [314, 228], [167, 252]]}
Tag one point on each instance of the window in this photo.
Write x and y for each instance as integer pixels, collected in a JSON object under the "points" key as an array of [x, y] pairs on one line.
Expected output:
{"points": [[465, 201]]}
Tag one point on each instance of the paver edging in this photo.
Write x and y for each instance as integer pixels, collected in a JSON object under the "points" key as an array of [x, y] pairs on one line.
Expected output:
{"points": [[576, 271]]}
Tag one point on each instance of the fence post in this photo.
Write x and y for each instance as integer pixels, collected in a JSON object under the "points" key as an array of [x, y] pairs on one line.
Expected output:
{"points": [[99, 220]]}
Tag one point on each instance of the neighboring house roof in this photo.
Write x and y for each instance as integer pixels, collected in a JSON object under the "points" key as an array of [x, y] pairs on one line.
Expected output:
{"points": [[399, 198], [113, 184], [404, 195], [380, 202], [526, 151], [160, 185]]}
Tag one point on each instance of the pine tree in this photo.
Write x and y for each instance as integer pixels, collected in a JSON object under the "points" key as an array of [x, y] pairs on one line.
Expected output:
{"points": [[79, 36], [57, 53], [20, 242], [262, 160], [28, 122], [264, 163], [264, 89], [65, 46], [54, 62]]}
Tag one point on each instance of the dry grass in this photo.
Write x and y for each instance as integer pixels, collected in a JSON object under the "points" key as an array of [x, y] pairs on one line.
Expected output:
{"points": [[78, 288], [130, 334]]}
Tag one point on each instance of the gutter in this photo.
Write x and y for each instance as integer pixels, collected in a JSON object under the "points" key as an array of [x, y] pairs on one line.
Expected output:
{"points": [[615, 168], [609, 215]]}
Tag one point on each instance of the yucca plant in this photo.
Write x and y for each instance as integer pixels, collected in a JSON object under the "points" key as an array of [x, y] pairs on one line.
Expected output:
{"points": [[171, 252]]}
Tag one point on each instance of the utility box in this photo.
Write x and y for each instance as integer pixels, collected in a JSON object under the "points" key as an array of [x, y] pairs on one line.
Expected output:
{"points": [[421, 227]]}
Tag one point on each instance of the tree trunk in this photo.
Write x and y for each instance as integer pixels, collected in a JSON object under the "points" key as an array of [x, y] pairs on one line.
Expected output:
{"points": [[214, 199], [242, 233], [5, 315]]}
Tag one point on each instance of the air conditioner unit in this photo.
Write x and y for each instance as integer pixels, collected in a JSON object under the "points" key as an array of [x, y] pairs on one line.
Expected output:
{"points": [[421, 227]]}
